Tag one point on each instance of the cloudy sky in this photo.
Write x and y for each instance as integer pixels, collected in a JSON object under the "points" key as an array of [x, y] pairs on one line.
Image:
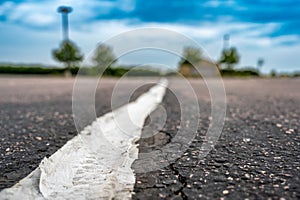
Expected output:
{"points": [[268, 29]]}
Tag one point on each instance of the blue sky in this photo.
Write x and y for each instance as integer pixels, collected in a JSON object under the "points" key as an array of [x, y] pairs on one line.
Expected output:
{"points": [[267, 29]]}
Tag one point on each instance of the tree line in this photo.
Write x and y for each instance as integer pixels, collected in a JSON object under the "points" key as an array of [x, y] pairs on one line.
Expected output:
{"points": [[69, 54], [104, 62]]}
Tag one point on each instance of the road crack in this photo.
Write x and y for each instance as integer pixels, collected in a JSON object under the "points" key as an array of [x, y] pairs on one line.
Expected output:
{"points": [[182, 180]]}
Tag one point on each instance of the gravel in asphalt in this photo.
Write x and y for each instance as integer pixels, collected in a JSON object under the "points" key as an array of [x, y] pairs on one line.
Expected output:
{"points": [[36, 118], [256, 157]]}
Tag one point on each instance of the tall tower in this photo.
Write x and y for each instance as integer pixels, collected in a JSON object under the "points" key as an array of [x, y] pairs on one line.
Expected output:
{"points": [[65, 10]]}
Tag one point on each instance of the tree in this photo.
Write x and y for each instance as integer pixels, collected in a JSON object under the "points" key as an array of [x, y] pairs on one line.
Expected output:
{"points": [[104, 57], [68, 53], [191, 55], [230, 57], [273, 73]]}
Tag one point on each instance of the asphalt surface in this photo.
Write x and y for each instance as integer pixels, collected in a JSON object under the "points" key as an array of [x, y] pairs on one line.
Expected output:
{"points": [[256, 157], [36, 118]]}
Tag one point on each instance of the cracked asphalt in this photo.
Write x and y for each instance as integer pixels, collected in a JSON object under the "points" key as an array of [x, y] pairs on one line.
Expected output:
{"points": [[36, 118], [256, 157]]}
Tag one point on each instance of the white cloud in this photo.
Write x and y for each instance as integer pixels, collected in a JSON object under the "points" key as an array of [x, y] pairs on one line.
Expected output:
{"points": [[250, 39], [218, 3], [31, 14], [126, 5], [223, 3], [41, 13]]}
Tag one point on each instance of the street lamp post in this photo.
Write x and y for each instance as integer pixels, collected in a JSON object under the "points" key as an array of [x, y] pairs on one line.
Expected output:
{"points": [[65, 10]]}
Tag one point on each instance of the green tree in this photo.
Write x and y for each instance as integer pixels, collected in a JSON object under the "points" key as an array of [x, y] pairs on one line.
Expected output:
{"points": [[69, 54], [273, 73], [230, 57], [191, 55], [104, 57]]}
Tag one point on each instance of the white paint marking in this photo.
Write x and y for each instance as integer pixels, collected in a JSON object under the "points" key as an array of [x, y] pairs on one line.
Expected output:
{"points": [[96, 164]]}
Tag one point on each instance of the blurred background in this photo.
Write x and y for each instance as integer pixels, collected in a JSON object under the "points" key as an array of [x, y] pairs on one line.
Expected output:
{"points": [[258, 36]]}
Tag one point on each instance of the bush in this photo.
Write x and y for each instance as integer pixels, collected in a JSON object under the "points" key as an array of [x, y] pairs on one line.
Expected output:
{"points": [[34, 70], [243, 72], [91, 71]]}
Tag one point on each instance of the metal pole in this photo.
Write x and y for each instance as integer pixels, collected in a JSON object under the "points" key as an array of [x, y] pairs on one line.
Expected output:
{"points": [[65, 26]]}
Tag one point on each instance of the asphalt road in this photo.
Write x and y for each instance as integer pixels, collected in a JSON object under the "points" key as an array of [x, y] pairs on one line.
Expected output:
{"points": [[36, 118], [256, 157]]}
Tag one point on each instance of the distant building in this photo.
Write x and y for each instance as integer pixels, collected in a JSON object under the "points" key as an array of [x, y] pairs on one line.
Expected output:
{"points": [[205, 67]]}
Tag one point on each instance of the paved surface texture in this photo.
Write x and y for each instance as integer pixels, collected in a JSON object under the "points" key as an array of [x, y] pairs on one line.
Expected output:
{"points": [[256, 157], [36, 119]]}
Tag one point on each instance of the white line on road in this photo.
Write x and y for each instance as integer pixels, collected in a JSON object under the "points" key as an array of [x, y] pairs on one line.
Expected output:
{"points": [[97, 163]]}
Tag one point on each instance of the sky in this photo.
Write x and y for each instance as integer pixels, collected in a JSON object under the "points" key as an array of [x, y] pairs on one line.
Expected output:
{"points": [[268, 29]]}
